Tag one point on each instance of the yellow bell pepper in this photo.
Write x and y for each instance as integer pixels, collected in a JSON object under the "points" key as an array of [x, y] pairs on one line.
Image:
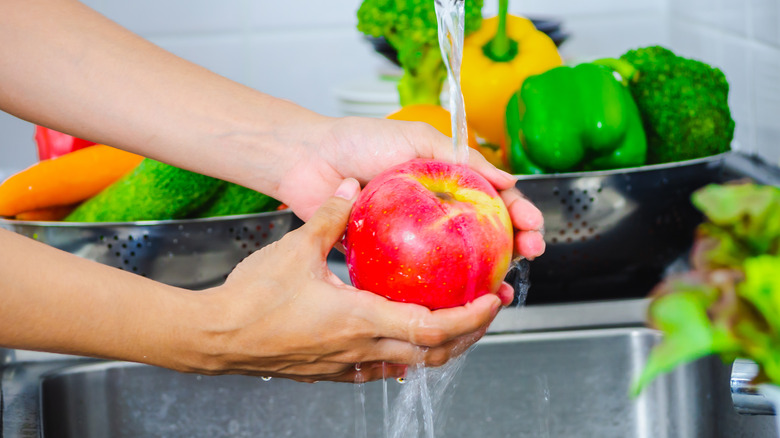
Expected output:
{"points": [[496, 60]]}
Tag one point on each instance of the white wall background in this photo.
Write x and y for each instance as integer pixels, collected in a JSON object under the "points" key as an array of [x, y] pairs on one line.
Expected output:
{"points": [[302, 50]]}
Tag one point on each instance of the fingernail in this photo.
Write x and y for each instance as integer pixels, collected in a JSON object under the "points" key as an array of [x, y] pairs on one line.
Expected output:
{"points": [[506, 175], [399, 371], [496, 308], [347, 189]]}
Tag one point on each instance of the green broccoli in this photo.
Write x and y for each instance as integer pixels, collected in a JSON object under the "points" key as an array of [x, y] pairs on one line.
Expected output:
{"points": [[683, 103], [410, 27]]}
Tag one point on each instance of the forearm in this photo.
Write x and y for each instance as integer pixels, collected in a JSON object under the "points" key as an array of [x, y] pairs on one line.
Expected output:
{"points": [[56, 302], [64, 66]]}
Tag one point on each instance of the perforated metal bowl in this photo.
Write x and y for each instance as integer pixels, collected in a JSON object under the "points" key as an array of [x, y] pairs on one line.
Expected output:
{"points": [[612, 234], [189, 253]]}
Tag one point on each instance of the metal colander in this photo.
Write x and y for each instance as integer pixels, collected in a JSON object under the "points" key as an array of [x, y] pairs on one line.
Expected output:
{"points": [[612, 234], [189, 253]]}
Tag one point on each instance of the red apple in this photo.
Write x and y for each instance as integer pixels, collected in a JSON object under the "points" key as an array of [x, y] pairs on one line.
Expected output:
{"points": [[429, 232]]}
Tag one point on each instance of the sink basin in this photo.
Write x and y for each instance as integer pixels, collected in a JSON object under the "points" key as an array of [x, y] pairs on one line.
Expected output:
{"points": [[553, 384]]}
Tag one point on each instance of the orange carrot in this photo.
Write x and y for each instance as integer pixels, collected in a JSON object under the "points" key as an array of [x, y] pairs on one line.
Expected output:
{"points": [[46, 214], [65, 180]]}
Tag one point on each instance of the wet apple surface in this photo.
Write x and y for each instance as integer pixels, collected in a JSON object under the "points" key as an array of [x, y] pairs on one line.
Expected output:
{"points": [[429, 232]]}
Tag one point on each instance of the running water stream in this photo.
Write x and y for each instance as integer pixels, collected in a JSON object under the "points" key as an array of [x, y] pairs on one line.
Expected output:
{"points": [[451, 16], [421, 405]]}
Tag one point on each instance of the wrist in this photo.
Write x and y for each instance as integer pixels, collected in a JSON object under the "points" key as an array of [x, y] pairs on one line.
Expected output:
{"points": [[263, 146], [177, 334], [199, 339]]}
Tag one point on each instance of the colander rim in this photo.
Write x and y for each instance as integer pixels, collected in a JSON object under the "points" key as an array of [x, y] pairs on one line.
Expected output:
{"points": [[624, 170], [149, 223]]}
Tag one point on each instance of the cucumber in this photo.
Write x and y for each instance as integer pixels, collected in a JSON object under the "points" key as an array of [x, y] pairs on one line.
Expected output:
{"points": [[152, 191], [236, 199]]}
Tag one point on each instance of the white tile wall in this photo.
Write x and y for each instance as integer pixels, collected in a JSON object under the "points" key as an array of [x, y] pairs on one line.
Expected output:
{"points": [[735, 63], [569, 8], [726, 15], [764, 20], [17, 149], [612, 35], [741, 38], [265, 15], [765, 79], [305, 66], [301, 50], [175, 17]]}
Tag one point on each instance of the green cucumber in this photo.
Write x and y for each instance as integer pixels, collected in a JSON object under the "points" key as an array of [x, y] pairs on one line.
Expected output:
{"points": [[236, 199], [152, 191]]}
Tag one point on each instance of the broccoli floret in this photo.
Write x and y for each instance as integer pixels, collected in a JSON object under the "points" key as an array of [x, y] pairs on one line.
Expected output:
{"points": [[683, 103], [410, 27]]}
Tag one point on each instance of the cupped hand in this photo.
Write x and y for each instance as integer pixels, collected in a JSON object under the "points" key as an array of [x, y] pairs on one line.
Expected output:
{"points": [[283, 313], [361, 148]]}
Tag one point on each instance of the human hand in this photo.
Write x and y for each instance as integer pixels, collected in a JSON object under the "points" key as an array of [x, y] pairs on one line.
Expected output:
{"points": [[283, 313], [363, 147]]}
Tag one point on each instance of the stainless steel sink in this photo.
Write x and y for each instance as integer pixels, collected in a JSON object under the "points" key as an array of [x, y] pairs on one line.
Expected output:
{"points": [[571, 383], [543, 371]]}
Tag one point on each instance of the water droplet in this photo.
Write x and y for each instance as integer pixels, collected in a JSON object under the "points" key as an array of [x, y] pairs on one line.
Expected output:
{"points": [[265, 379], [357, 366], [401, 380]]}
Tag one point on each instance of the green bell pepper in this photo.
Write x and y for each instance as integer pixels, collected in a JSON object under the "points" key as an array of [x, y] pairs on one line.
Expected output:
{"points": [[574, 118]]}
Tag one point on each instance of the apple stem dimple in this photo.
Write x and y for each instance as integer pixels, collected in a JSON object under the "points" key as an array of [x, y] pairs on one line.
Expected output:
{"points": [[445, 196]]}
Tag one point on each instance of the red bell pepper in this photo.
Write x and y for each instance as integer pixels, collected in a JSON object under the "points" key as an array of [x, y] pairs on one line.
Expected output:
{"points": [[52, 144]]}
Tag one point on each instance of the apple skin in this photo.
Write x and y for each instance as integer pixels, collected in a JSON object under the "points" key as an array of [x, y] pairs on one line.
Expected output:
{"points": [[429, 232]]}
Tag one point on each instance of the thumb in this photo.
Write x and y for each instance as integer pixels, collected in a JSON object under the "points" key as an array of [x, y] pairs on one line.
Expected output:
{"points": [[328, 223]]}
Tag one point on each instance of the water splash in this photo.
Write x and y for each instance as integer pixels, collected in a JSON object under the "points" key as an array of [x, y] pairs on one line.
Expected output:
{"points": [[519, 278], [421, 405], [361, 430], [450, 16], [385, 400], [544, 413]]}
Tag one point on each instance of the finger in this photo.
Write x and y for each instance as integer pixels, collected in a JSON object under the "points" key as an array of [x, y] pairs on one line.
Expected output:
{"points": [[524, 214], [328, 223], [471, 318], [530, 244], [351, 374], [464, 343], [370, 374], [500, 179], [439, 147], [420, 326], [439, 356], [395, 351], [404, 353], [378, 370], [506, 293]]}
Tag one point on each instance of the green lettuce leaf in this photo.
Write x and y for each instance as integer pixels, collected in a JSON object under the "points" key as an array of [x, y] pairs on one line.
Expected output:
{"points": [[749, 214], [729, 303]]}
